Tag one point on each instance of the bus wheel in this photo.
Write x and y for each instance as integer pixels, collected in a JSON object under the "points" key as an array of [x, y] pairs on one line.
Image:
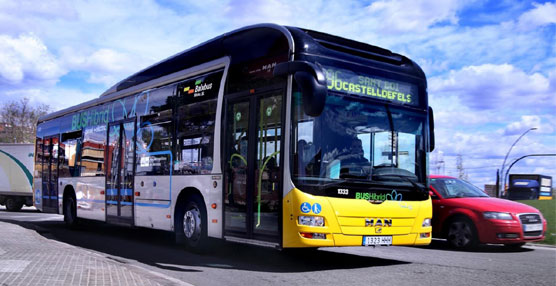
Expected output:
{"points": [[70, 212], [13, 204], [462, 234], [191, 224]]}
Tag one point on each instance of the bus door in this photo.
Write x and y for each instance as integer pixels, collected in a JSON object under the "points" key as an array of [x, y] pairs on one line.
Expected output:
{"points": [[252, 191], [120, 165], [50, 174]]}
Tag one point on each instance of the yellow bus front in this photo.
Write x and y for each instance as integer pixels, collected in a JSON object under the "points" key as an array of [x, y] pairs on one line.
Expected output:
{"points": [[359, 167], [315, 221]]}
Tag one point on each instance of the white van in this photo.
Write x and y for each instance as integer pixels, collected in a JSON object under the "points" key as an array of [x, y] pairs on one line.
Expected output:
{"points": [[16, 175]]}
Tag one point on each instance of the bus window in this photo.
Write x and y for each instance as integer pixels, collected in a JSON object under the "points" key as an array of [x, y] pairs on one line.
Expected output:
{"points": [[39, 154], [70, 148], [154, 144], [195, 138], [92, 151]]}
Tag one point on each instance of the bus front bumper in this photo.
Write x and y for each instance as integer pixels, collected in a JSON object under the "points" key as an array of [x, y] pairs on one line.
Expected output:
{"points": [[350, 222]]}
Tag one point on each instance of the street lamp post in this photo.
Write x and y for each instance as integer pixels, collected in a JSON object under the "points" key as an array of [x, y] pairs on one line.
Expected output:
{"points": [[505, 158]]}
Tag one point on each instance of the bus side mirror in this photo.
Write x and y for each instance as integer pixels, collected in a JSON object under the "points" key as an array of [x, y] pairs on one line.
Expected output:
{"points": [[431, 130], [311, 81]]}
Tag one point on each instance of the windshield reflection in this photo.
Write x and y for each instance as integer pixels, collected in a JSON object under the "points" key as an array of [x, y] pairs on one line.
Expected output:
{"points": [[356, 140], [455, 188]]}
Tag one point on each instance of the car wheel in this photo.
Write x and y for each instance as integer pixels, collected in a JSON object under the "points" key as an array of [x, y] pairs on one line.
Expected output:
{"points": [[70, 212], [191, 224], [461, 233], [13, 205]]}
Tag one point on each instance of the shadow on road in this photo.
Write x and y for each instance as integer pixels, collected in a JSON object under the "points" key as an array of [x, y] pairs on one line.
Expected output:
{"points": [[438, 244], [157, 248]]}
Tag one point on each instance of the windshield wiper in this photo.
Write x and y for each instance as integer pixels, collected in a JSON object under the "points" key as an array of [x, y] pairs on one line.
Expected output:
{"points": [[354, 176], [406, 178]]}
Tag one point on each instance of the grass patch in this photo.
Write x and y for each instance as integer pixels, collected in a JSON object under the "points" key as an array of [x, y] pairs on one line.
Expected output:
{"points": [[548, 210]]}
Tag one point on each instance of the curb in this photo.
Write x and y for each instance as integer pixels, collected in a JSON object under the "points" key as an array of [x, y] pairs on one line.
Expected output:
{"points": [[45, 234], [542, 245]]}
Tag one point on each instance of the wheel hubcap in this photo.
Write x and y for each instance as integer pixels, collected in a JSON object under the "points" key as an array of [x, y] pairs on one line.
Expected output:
{"points": [[192, 223], [460, 234]]}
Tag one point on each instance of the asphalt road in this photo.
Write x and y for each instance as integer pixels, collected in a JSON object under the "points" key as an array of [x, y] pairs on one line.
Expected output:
{"points": [[234, 264]]}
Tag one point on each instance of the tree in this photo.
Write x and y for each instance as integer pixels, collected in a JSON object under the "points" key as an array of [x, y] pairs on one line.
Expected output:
{"points": [[461, 170], [19, 119]]}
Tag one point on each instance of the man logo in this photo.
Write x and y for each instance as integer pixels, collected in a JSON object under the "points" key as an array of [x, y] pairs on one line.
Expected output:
{"points": [[378, 229], [378, 222]]}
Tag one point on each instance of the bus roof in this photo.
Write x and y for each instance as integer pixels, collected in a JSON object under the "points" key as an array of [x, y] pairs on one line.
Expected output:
{"points": [[301, 41]]}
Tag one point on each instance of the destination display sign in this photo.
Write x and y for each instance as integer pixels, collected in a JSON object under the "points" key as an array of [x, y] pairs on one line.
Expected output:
{"points": [[347, 81]]}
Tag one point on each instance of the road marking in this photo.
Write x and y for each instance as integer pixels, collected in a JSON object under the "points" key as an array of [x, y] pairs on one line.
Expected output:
{"points": [[16, 266]]}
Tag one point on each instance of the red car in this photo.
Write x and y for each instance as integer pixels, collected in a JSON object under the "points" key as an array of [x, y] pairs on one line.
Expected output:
{"points": [[466, 216]]}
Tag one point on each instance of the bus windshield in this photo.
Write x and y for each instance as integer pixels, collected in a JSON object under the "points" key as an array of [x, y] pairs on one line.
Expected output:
{"points": [[355, 140]]}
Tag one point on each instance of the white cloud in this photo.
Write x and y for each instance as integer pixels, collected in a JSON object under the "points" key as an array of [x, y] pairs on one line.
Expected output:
{"points": [[22, 16], [488, 87], [56, 97], [25, 59], [527, 122], [404, 16], [483, 153], [50, 9], [486, 81], [541, 15], [105, 66]]}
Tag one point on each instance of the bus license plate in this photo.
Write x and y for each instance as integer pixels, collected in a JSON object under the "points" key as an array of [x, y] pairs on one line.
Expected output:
{"points": [[377, 240], [532, 227]]}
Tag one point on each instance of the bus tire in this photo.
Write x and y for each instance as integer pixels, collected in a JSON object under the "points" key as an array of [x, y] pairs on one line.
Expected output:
{"points": [[461, 233], [13, 204], [191, 224], [70, 211]]}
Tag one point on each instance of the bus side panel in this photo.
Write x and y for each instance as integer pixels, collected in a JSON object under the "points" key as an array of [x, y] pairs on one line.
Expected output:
{"points": [[153, 204], [210, 187], [154, 210], [89, 196]]}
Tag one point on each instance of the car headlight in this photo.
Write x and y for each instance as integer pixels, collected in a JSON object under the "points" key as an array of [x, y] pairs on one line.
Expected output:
{"points": [[426, 222], [311, 220], [497, 215]]}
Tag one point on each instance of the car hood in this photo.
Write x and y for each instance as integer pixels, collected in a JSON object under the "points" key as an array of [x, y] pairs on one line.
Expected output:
{"points": [[492, 204]]}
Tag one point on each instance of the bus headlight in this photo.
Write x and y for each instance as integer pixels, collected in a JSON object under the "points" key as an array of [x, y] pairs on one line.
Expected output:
{"points": [[311, 220], [426, 222], [497, 215]]}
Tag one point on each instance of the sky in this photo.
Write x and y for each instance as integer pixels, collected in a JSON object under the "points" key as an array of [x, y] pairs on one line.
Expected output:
{"points": [[491, 65]]}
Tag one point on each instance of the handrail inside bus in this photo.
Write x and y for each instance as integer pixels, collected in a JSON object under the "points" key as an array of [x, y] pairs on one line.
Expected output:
{"points": [[259, 184]]}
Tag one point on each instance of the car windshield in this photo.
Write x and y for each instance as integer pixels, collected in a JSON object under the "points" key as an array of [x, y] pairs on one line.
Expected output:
{"points": [[357, 140], [456, 188]]}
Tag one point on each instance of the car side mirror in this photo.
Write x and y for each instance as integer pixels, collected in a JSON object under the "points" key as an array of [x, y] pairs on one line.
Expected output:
{"points": [[311, 81], [433, 195]]}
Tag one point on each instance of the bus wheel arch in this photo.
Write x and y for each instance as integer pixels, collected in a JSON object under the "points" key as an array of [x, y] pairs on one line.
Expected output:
{"points": [[69, 205], [190, 219]]}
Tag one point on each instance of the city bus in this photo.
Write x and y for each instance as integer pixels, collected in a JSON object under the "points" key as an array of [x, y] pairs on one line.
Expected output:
{"points": [[268, 135], [530, 187]]}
